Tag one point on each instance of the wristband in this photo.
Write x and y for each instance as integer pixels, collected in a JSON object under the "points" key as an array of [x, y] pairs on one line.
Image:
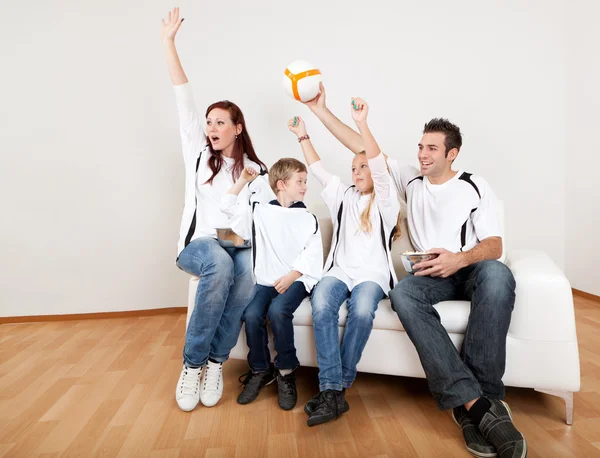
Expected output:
{"points": [[304, 137]]}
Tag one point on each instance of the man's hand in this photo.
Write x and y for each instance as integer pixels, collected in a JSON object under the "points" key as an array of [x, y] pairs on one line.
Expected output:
{"points": [[318, 103], [282, 285], [445, 264]]}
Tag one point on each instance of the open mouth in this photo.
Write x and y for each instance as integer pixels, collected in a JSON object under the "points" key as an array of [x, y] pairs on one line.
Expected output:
{"points": [[426, 164], [214, 138]]}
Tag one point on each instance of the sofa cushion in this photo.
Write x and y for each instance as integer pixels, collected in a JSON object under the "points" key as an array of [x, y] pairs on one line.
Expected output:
{"points": [[454, 315]]}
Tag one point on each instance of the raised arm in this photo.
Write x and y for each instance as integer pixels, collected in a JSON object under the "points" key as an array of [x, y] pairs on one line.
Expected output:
{"points": [[168, 33], [345, 134], [297, 127], [382, 180], [360, 110], [229, 204]]}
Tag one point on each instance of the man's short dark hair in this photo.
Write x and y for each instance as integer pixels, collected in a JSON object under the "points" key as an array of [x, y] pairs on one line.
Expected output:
{"points": [[453, 137]]}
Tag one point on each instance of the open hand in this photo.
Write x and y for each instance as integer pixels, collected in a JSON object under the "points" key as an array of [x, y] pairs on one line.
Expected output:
{"points": [[318, 103], [171, 25]]}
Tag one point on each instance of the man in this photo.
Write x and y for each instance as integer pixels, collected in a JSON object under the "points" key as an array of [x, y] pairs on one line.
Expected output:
{"points": [[452, 215]]}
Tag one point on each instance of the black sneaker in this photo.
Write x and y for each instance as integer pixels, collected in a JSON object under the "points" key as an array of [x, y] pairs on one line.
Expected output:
{"points": [[328, 407], [311, 405], [287, 395], [497, 427], [476, 443], [253, 383]]}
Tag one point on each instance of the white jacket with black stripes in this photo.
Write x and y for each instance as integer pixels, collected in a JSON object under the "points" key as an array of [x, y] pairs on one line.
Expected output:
{"points": [[283, 239]]}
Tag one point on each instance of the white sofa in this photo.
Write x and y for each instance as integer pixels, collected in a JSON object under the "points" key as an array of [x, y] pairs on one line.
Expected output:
{"points": [[541, 349]]}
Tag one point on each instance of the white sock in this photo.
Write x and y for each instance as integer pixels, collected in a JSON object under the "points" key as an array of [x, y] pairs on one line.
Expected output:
{"points": [[285, 372]]}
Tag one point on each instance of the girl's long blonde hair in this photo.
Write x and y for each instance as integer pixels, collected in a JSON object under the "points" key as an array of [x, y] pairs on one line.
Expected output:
{"points": [[365, 216]]}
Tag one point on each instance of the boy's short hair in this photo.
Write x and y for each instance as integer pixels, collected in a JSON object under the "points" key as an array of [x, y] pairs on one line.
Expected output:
{"points": [[283, 169]]}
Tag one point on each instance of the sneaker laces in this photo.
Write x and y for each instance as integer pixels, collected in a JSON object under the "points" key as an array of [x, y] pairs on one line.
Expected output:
{"points": [[326, 398], [248, 376], [252, 380], [212, 374], [190, 382], [287, 384]]}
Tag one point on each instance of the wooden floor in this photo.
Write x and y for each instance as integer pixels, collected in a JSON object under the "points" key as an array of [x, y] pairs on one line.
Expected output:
{"points": [[106, 388]]}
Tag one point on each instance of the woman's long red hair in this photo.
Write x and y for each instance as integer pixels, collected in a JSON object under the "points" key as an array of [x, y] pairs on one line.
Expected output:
{"points": [[242, 145]]}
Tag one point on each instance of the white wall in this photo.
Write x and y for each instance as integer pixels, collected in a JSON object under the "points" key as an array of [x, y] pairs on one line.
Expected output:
{"points": [[583, 150], [91, 179]]}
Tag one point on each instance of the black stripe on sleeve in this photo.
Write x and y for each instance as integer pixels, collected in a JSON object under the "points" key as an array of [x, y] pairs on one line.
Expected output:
{"points": [[463, 232], [416, 178], [467, 177]]}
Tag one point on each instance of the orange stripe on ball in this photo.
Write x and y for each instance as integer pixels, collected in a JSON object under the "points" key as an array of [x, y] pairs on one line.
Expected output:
{"points": [[297, 77]]}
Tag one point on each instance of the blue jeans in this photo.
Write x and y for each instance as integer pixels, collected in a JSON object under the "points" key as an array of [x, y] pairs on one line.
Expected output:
{"points": [[224, 290], [456, 378], [337, 366], [279, 309]]}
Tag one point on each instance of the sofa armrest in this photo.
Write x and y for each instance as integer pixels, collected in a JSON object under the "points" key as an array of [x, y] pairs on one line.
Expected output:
{"points": [[544, 308]]}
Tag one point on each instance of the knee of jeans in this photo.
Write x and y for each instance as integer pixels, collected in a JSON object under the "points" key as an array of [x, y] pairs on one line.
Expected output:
{"points": [[321, 310], [364, 310], [405, 300], [253, 319], [277, 315], [211, 261], [495, 277]]}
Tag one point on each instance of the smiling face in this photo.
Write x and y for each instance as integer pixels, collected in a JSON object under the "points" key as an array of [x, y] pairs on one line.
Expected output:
{"points": [[432, 155], [294, 188], [221, 130], [361, 173]]}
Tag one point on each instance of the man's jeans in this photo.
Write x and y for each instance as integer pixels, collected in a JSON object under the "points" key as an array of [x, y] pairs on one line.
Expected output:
{"points": [[337, 366], [455, 379], [279, 309], [224, 290]]}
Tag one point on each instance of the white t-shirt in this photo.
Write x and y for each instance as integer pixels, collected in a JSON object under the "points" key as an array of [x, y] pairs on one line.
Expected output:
{"points": [[455, 215], [358, 256]]}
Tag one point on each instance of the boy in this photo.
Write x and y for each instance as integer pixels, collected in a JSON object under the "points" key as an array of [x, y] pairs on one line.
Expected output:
{"points": [[287, 262]]}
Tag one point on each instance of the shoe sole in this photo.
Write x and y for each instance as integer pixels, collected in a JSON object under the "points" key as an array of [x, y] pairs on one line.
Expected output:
{"points": [[187, 410], [345, 409], [211, 405], [287, 408], [319, 420]]}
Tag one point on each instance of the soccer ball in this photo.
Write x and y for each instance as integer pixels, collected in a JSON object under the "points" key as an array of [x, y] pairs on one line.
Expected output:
{"points": [[301, 80]]}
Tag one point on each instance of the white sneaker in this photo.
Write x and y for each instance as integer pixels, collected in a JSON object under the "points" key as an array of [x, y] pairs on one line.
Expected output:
{"points": [[187, 393], [212, 384]]}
